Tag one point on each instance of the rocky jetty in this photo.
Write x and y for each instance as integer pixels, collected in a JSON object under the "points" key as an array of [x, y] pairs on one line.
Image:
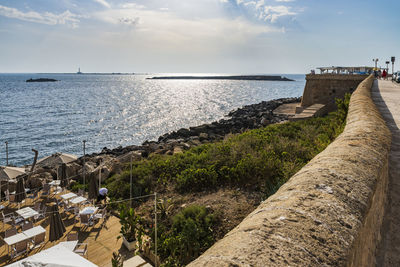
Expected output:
{"points": [[109, 161], [41, 80], [239, 77]]}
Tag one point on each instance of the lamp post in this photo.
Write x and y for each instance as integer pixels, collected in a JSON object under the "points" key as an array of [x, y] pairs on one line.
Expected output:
{"points": [[376, 62], [393, 59], [84, 162], [6, 153], [387, 65]]}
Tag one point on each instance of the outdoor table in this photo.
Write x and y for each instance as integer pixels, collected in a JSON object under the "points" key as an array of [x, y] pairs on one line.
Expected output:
{"points": [[27, 213], [77, 200], [89, 210], [70, 245], [68, 196], [12, 240], [37, 230], [55, 182]]}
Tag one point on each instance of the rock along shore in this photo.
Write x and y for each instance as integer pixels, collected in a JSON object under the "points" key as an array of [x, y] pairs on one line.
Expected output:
{"points": [[110, 161], [248, 117]]}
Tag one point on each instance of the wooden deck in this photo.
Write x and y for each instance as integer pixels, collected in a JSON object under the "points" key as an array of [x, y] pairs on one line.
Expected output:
{"points": [[101, 238]]}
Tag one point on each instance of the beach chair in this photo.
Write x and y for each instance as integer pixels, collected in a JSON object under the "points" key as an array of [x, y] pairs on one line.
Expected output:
{"points": [[10, 232], [45, 190], [37, 206], [72, 236], [18, 220], [7, 218], [27, 226], [39, 240], [33, 195], [42, 213], [19, 249], [81, 249], [81, 192], [100, 215], [85, 220]]}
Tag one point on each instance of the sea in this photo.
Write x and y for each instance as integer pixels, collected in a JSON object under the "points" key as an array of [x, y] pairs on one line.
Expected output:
{"points": [[110, 110]]}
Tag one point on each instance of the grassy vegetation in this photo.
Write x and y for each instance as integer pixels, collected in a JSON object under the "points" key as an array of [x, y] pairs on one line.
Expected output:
{"points": [[259, 160]]}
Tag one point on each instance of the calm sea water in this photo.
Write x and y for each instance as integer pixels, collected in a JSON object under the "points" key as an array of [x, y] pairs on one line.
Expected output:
{"points": [[113, 110]]}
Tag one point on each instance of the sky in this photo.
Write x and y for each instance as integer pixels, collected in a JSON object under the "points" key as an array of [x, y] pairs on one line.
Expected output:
{"points": [[196, 36]]}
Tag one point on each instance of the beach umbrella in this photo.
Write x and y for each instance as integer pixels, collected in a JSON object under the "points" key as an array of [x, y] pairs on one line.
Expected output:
{"points": [[20, 190], [63, 175], [57, 228], [93, 187], [55, 160], [9, 173]]}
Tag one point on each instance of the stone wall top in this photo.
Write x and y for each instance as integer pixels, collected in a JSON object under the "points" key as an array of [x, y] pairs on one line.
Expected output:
{"points": [[330, 76], [317, 216]]}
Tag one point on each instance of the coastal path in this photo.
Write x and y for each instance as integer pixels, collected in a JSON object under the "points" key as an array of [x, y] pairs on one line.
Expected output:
{"points": [[386, 96]]}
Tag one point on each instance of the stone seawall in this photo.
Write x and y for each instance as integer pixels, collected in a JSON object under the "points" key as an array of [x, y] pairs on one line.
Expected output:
{"points": [[324, 88], [329, 213]]}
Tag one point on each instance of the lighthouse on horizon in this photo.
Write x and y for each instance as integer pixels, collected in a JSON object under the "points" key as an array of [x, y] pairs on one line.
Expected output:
{"points": [[79, 71]]}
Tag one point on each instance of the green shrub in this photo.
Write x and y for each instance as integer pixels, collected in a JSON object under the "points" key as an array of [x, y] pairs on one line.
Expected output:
{"points": [[190, 234], [261, 159]]}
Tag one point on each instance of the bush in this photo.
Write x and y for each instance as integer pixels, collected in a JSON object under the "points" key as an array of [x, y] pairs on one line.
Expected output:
{"points": [[260, 159], [191, 233]]}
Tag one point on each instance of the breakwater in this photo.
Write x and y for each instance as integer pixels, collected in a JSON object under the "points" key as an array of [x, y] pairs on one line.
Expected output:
{"points": [[329, 213], [239, 77]]}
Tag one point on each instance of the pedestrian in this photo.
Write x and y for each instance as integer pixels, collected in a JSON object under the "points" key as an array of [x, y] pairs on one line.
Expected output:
{"points": [[384, 74], [102, 194]]}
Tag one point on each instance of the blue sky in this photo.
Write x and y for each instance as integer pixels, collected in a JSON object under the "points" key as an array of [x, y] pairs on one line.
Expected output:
{"points": [[222, 36]]}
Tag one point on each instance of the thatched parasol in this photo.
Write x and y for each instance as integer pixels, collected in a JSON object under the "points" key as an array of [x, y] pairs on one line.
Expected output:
{"points": [[63, 176], [20, 190], [57, 228], [93, 190]]}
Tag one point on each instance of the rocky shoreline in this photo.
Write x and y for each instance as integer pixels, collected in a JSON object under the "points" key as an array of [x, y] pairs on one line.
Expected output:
{"points": [[110, 161], [248, 117]]}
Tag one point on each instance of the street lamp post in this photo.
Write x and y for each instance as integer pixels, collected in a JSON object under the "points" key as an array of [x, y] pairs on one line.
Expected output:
{"points": [[387, 66], [84, 162], [6, 153], [393, 59], [376, 62]]}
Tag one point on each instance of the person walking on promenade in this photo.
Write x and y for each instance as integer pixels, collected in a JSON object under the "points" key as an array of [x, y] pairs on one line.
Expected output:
{"points": [[384, 74]]}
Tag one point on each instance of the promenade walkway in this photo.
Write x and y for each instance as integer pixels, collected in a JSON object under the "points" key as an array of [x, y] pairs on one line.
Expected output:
{"points": [[386, 96]]}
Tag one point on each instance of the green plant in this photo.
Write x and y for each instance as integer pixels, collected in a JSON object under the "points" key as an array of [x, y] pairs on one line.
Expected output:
{"points": [[190, 234], [130, 223], [164, 208], [116, 260]]}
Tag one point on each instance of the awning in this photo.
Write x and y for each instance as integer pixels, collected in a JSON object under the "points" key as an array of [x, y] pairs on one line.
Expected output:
{"points": [[57, 256]]}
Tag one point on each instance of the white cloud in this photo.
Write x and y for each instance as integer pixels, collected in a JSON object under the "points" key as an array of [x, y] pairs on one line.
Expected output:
{"points": [[65, 18], [132, 5], [268, 13], [103, 3]]}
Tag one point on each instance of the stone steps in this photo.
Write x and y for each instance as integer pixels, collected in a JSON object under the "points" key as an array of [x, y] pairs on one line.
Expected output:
{"points": [[309, 112]]}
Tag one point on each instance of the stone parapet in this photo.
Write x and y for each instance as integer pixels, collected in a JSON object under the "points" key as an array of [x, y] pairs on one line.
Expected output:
{"points": [[329, 213]]}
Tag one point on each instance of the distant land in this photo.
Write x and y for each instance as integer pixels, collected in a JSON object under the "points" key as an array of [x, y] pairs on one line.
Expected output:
{"points": [[240, 77], [41, 80]]}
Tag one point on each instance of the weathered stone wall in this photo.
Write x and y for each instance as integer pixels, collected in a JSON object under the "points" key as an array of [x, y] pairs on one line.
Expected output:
{"points": [[324, 88], [327, 214]]}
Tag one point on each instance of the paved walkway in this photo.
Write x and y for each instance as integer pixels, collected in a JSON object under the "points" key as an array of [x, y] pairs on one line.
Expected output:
{"points": [[386, 96]]}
